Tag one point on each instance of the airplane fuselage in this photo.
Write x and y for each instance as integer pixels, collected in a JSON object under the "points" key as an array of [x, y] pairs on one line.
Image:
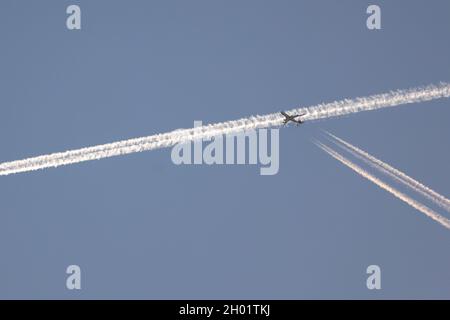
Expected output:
{"points": [[289, 118]]}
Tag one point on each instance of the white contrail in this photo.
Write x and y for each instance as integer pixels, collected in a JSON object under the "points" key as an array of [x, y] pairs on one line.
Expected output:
{"points": [[398, 175], [413, 203], [320, 111]]}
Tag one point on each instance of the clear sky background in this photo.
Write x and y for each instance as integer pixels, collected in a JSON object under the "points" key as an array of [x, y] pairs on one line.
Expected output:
{"points": [[141, 227]]}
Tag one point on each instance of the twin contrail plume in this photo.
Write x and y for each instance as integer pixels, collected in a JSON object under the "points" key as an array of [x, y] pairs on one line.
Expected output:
{"points": [[169, 139], [413, 203], [398, 175]]}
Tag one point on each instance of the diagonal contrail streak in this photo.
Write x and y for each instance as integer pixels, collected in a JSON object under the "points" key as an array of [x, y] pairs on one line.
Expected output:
{"points": [[413, 203], [394, 173], [321, 111]]}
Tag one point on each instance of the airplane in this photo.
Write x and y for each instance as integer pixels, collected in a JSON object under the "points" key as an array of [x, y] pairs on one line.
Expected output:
{"points": [[292, 118]]}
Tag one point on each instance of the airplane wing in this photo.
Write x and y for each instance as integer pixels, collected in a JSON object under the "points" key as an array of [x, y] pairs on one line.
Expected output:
{"points": [[284, 114]]}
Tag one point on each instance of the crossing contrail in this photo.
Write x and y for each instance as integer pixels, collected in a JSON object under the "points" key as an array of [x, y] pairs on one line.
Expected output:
{"points": [[398, 175], [321, 111], [413, 203]]}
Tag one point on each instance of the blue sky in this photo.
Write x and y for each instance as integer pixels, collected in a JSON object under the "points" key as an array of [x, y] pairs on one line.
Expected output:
{"points": [[141, 227]]}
